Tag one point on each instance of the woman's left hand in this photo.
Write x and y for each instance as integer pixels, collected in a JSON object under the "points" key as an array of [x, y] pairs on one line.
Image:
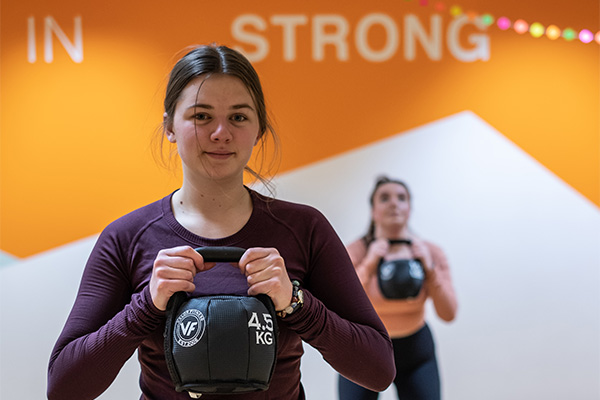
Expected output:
{"points": [[422, 253], [265, 272]]}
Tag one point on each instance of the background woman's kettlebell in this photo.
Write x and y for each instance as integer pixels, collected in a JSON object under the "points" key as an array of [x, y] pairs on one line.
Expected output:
{"points": [[401, 278]]}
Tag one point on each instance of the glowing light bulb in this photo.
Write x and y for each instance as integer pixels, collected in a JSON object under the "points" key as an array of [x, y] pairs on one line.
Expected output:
{"points": [[503, 23], [439, 6], [455, 11], [521, 26], [586, 36], [597, 37], [536, 29], [553, 32], [471, 15], [487, 19], [569, 34]]}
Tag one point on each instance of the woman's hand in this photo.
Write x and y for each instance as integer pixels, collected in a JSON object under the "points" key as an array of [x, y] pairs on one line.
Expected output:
{"points": [[174, 270], [265, 272], [422, 253], [376, 251]]}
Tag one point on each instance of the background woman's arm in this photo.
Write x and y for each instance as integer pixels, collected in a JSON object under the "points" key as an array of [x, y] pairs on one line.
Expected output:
{"points": [[439, 285]]}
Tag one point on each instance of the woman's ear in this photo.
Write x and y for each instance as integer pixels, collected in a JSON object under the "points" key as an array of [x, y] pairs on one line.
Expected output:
{"points": [[168, 128], [258, 137]]}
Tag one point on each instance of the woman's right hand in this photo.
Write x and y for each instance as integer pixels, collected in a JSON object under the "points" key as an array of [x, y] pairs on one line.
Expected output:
{"points": [[174, 271], [376, 251]]}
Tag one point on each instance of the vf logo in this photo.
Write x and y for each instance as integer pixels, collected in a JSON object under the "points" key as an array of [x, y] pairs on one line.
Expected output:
{"points": [[189, 327]]}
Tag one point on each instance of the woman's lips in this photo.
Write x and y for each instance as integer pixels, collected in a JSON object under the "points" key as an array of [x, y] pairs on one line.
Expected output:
{"points": [[221, 155]]}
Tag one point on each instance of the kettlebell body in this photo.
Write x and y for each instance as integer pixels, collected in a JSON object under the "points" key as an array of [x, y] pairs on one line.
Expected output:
{"points": [[400, 279], [221, 344]]}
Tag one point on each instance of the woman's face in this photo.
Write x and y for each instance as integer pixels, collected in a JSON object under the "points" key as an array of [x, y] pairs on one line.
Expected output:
{"points": [[215, 126], [391, 205]]}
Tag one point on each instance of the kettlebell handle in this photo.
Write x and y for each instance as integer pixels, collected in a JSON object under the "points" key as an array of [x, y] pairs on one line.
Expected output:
{"points": [[221, 253], [400, 241]]}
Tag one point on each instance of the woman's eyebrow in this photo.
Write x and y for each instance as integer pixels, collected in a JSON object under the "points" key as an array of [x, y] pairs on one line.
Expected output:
{"points": [[207, 106], [242, 105], [233, 107]]}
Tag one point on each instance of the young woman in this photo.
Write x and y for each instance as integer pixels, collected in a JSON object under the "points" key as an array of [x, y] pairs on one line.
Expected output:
{"points": [[389, 238], [215, 115]]}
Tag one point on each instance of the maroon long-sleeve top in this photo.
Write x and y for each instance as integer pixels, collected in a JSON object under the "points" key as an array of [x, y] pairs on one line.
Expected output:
{"points": [[113, 314]]}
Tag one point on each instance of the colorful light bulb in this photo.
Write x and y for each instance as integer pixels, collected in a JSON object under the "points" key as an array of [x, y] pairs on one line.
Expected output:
{"points": [[471, 15], [586, 36], [553, 32], [569, 34], [503, 23], [455, 11], [520, 26], [536, 29], [487, 19]]}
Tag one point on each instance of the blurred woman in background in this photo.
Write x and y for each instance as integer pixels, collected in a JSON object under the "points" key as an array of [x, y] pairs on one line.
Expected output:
{"points": [[389, 240]]}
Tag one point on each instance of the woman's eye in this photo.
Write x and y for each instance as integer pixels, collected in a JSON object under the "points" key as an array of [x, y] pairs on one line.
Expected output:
{"points": [[239, 118], [201, 117]]}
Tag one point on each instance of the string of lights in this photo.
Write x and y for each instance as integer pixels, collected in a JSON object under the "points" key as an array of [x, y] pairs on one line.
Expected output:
{"points": [[520, 26]]}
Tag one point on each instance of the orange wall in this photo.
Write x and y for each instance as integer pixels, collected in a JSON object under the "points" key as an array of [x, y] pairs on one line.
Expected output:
{"points": [[75, 139]]}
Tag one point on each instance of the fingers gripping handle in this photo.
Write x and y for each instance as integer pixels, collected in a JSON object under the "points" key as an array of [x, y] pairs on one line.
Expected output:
{"points": [[230, 254], [209, 254], [221, 254]]}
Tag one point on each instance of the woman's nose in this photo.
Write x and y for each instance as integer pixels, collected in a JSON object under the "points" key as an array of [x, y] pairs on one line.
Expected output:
{"points": [[221, 133]]}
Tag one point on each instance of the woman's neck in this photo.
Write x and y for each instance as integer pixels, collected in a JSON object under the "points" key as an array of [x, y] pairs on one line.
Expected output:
{"points": [[211, 196], [392, 232], [212, 210]]}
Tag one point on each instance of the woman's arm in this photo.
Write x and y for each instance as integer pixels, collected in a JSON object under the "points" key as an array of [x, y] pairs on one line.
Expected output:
{"points": [[338, 319], [106, 325], [439, 285]]}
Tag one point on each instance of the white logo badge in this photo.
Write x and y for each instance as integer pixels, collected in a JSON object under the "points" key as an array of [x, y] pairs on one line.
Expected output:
{"points": [[416, 270], [388, 269], [189, 327]]}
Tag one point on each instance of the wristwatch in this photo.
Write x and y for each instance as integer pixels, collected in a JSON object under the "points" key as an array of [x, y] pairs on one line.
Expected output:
{"points": [[296, 303]]}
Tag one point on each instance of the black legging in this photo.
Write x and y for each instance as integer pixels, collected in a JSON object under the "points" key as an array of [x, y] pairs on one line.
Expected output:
{"points": [[417, 376]]}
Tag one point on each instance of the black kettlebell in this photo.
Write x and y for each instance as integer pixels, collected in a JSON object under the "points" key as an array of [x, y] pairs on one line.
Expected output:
{"points": [[401, 278], [220, 344]]}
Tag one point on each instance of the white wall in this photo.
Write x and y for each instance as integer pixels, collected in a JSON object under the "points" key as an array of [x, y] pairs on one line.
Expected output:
{"points": [[523, 247]]}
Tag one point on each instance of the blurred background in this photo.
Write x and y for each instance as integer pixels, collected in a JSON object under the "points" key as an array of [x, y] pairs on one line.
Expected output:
{"points": [[489, 110]]}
